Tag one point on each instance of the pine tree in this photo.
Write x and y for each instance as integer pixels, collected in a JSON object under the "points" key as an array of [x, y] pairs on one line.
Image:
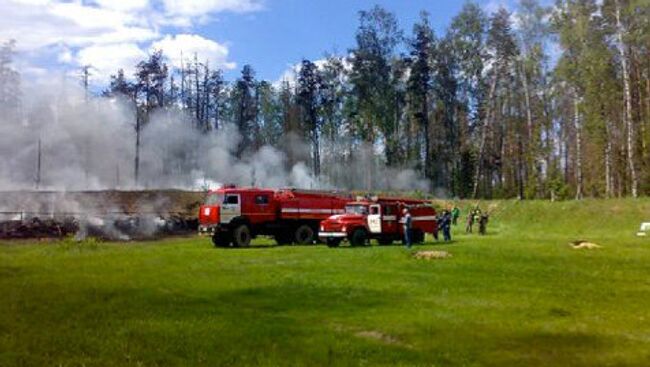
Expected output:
{"points": [[419, 91], [245, 109], [309, 87]]}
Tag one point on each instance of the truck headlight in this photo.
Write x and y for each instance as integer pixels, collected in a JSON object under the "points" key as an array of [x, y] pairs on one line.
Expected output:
{"points": [[322, 228]]}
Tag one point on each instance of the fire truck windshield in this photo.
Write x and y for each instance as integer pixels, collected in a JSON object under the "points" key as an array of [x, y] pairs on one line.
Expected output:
{"points": [[356, 209], [214, 199]]}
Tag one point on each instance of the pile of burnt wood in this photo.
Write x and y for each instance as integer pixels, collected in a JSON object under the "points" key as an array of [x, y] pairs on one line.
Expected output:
{"points": [[122, 227], [39, 228]]}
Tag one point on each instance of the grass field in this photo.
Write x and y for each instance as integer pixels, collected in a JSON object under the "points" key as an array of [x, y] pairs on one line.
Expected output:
{"points": [[519, 296]]}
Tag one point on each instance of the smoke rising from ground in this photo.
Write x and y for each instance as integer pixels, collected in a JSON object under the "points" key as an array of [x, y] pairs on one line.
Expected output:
{"points": [[88, 143]]}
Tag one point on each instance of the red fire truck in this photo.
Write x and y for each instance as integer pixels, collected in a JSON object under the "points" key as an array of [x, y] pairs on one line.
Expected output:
{"points": [[380, 219], [233, 215]]}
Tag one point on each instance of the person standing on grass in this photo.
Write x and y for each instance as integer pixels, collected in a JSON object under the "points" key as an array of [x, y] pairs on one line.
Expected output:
{"points": [[455, 214], [407, 222], [470, 222], [446, 225], [482, 224]]}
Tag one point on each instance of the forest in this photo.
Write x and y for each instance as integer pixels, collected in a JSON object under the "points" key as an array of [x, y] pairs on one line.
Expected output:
{"points": [[541, 102]]}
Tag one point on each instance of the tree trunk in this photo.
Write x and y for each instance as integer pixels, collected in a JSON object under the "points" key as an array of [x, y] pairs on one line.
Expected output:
{"points": [[646, 120], [578, 128], [608, 160], [628, 102], [137, 148], [484, 131], [529, 113]]}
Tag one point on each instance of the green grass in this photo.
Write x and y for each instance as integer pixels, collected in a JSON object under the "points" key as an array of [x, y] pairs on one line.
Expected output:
{"points": [[519, 296]]}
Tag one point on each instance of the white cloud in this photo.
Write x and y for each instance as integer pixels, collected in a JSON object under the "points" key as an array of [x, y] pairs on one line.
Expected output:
{"points": [[65, 56], [194, 8], [107, 59], [36, 24], [123, 5], [492, 6], [190, 44], [101, 32], [290, 75], [185, 13]]}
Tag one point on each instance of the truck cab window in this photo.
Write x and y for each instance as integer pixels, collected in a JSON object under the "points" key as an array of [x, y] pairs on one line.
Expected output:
{"points": [[231, 199], [374, 210], [262, 199], [356, 209], [214, 199]]}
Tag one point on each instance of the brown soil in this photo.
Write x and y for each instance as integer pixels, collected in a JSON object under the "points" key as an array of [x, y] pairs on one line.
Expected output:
{"points": [[584, 245], [432, 255]]}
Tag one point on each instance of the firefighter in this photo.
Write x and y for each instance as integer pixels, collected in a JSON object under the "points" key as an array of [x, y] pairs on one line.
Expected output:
{"points": [[407, 222], [446, 225], [482, 224], [470, 222], [455, 214]]}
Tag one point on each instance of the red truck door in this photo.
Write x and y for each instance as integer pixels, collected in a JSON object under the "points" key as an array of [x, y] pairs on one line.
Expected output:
{"points": [[389, 219]]}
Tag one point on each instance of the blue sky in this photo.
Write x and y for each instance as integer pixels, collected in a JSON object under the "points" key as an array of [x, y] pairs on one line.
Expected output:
{"points": [[289, 30], [271, 35]]}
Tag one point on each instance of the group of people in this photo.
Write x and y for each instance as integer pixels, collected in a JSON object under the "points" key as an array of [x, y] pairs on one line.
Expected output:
{"points": [[476, 216], [445, 220]]}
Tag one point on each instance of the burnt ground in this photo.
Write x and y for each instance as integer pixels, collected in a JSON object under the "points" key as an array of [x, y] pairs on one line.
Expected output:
{"points": [[114, 215]]}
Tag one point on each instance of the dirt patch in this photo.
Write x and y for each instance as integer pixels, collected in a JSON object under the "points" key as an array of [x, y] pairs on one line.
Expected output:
{"points": [[432, 255], [584, 245], [379, 336]]}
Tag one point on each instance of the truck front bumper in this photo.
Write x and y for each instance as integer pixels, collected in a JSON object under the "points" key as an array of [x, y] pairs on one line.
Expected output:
{"points": [[208, 230], [332, 234]]}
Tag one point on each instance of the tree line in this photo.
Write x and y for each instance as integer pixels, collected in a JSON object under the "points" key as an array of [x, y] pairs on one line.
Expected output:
{"points": [[544, 102]]}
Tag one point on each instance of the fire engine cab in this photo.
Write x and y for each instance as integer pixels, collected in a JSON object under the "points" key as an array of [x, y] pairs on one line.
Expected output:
{"points": [[234, 215], [380, 219]]}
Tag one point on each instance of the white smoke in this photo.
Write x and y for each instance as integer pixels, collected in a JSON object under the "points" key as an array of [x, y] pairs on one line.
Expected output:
{"points": [[88, 143]]}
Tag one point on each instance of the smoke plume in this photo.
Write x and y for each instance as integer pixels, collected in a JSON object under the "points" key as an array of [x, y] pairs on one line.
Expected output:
{"points": [[64, 140]]}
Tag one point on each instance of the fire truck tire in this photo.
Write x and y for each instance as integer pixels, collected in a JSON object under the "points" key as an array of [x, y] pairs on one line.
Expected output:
{"points": [[385, 241], [242, 236], [220, 240], [304, 235], [333, 242], [358, 237]]}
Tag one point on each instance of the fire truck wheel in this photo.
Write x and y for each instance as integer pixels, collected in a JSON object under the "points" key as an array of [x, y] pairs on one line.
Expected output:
{"points": [[304, 235], [242, 236], [220, 240], [333, 242], [358, 237]]}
